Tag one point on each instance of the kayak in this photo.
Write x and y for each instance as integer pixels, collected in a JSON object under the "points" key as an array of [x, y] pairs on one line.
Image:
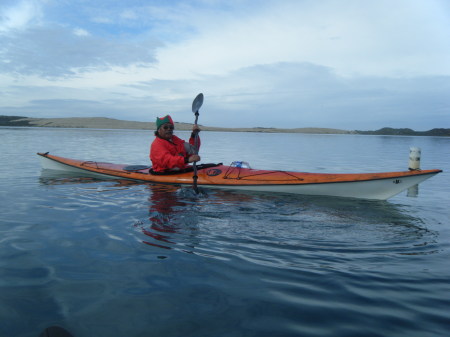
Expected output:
{"points": [[377, 186]]}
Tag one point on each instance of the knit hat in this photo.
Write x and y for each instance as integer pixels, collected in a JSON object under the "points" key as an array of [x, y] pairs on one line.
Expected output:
{"points": [[163, 120]]}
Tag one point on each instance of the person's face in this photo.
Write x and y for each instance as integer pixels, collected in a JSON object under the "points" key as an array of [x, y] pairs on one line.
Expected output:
{"points": [[166, 131]]}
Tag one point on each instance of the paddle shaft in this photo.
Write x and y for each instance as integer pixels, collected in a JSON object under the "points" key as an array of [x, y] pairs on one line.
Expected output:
{"points": [[195, 177], [196, 104]]}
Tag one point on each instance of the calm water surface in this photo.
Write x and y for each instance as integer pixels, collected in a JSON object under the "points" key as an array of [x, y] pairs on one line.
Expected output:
{"points": [[117, 258]]}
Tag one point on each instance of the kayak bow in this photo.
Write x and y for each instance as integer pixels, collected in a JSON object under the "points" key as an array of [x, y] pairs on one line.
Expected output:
{"points": [[379, 186]]}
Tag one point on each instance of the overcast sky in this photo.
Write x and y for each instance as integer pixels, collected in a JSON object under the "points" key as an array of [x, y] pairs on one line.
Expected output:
{"points": [[348, 64]]}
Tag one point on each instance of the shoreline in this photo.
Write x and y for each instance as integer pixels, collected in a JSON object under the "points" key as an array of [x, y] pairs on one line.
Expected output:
{"points": [[110, 123]]}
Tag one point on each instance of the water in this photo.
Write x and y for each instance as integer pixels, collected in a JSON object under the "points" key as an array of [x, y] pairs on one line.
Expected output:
{"points": [[117, 258]]}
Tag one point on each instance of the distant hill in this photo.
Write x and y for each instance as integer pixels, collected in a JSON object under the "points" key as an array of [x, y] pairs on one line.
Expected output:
{"points": [[74, 122], [110, 123], [407, 132]]}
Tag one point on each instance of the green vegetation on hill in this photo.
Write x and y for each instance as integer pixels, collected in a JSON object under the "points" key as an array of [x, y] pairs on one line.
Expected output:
{"points": [[14, 121], [407, 132]]}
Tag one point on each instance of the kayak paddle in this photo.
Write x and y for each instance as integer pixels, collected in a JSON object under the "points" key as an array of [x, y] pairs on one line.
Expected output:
{"points": [[196, 104]]}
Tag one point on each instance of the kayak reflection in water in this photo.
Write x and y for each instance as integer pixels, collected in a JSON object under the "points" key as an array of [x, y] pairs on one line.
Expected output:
{"points": [[169, 153], [172, 223], [163, 200]]}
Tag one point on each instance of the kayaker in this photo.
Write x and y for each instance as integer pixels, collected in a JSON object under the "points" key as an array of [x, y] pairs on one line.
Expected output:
{"points": [[170, 153]]}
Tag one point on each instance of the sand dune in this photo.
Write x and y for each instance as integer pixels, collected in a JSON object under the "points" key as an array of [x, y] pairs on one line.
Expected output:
{"points": [[110, 123]]}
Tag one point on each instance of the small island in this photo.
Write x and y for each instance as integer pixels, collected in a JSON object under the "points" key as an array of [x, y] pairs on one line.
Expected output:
{"points": [[110, 123]]}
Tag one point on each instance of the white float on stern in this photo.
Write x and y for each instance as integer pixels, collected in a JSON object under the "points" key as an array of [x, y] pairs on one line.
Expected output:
{"points": [[414, 158]]}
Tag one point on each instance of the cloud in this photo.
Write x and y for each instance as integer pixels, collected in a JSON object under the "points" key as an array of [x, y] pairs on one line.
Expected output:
{"points": [[201, 37], [285, 95], [281, 64], [81, 32], [19, 15], [305, 95], [352, 39], [59, 51]]}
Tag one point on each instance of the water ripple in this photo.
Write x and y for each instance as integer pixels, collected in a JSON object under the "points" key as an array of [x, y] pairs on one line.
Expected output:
{"points": [[285, 231]]}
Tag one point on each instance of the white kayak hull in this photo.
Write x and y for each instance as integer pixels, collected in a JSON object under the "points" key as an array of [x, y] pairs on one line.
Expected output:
{"points": [[381, 189]]}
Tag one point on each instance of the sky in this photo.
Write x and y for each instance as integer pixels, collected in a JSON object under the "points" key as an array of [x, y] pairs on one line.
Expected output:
{"points": [[346, 64]]}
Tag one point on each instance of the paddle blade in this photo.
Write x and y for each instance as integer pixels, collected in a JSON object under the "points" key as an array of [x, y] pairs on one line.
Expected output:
{"points": [[197, 103]]}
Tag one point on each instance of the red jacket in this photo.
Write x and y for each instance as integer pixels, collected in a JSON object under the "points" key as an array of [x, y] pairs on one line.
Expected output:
{"points": [[167, 155]]}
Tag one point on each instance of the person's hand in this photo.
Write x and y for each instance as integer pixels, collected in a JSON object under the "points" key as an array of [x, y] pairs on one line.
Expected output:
{"points": [[194, 157], [195, 129]]}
